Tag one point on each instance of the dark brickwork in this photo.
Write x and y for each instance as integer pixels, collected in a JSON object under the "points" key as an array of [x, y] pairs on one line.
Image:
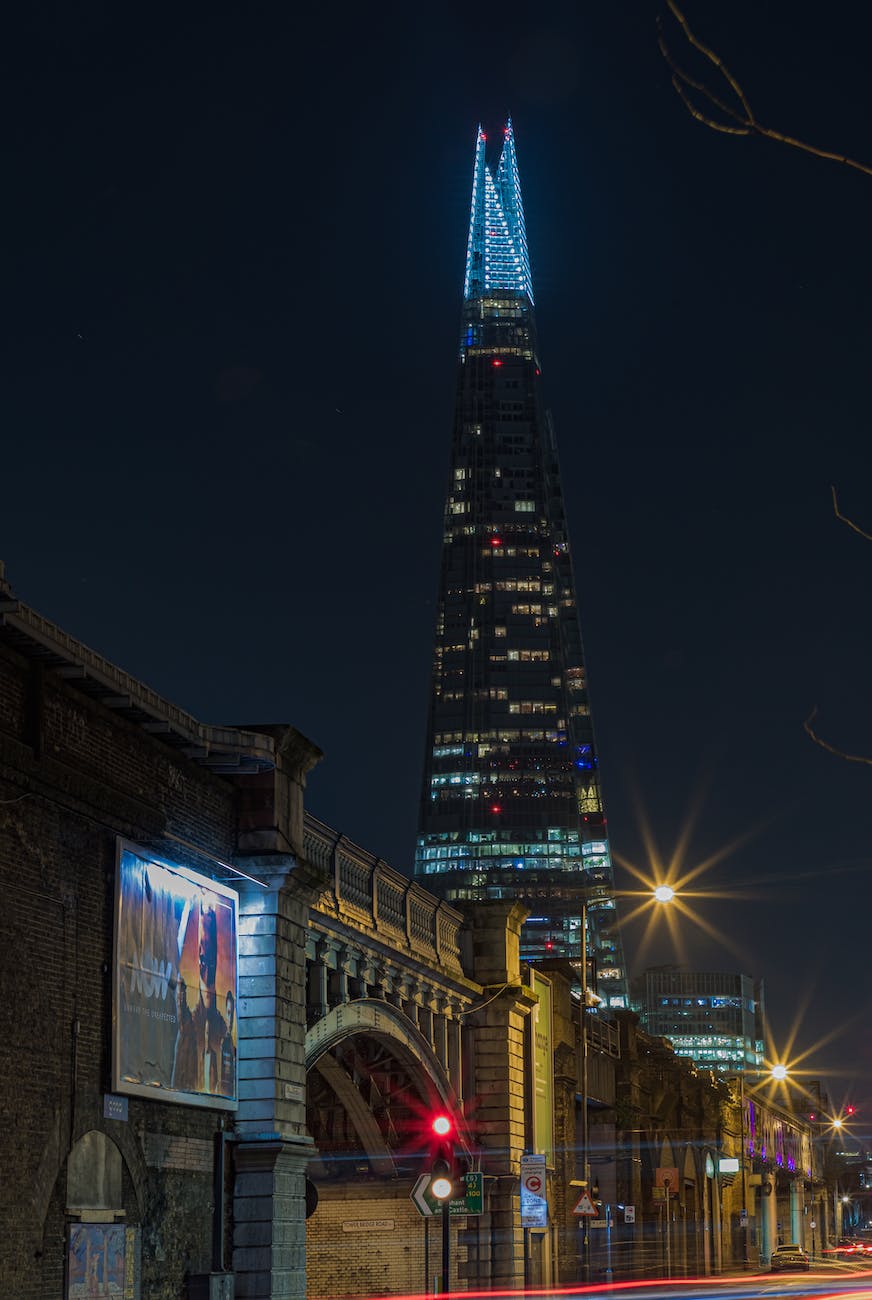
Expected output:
{"points": [[73, 776]]}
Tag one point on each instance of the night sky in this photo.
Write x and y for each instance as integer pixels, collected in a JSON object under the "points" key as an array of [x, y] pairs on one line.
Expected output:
{"points": [[232, 256]]}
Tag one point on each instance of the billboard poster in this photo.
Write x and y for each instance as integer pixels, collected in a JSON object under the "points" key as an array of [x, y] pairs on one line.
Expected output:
{"points": [[101, 1262], [543, 1067], [175, 985]]}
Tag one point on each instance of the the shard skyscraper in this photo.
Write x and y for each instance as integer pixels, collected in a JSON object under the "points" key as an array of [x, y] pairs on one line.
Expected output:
{"points": [[511, 804]]}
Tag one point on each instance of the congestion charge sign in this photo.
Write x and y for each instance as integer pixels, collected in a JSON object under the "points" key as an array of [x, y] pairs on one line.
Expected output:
{"points": [[534, 1206]]}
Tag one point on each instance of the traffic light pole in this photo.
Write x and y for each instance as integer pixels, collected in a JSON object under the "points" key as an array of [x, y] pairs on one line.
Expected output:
{"points": [[446, 1247]]}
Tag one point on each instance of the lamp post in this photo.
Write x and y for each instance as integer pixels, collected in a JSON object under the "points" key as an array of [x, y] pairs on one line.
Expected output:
{"points": [[746, 1263], [585, 1131]]}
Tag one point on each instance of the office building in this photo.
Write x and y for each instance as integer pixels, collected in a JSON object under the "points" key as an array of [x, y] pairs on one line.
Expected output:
{"points": [[716, 1018]]}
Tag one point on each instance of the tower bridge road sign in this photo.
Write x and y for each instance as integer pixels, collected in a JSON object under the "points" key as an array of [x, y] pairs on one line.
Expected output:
{"points": [[471, 1203]]}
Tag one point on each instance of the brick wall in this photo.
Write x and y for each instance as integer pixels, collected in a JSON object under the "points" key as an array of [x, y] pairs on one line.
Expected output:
{"points": [[372, 1244], [73, 776]]}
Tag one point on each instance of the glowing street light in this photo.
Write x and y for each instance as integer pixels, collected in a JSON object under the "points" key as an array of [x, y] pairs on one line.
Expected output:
{"points": [[779, 1072], [664, 893]]}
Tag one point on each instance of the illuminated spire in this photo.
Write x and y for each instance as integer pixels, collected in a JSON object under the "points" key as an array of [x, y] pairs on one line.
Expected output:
{"points": [[496, 253]]}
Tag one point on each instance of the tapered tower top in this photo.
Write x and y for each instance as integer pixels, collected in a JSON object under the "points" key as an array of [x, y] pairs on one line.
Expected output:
{"points": [[496, 253]]}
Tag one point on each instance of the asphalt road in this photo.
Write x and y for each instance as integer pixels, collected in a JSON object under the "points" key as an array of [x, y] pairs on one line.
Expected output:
{"points": [[837, 1279]]}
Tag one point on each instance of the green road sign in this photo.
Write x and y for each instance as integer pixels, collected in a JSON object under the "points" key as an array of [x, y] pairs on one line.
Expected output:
{"points": [[471, 1203], [475, 1193]]}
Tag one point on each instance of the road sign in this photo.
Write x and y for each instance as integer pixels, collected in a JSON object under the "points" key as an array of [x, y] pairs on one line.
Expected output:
{"points": [[629, 1214], [667, 1176], [424, 1207], [584, 1205], [475, 1193], [534, 1205], [471, 1203]]}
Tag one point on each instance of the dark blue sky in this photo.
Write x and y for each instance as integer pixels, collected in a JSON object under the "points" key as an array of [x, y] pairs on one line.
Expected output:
{"points": [[231, 266]]}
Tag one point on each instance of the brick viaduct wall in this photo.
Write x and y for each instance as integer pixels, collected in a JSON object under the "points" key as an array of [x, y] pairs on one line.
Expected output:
{"points": [[73, 776], [372, 1242]]}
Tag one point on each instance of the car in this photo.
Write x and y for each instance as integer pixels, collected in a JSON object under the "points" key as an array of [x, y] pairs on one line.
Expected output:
{"points": [[789, 1258]]}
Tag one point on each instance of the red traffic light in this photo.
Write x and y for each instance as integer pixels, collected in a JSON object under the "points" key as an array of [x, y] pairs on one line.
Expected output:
{"points": [[849, 1110], [442, 1125]]}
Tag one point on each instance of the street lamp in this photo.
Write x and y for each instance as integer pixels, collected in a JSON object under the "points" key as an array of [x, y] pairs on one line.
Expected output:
{"points": [[585, 1133], [664, 893]]}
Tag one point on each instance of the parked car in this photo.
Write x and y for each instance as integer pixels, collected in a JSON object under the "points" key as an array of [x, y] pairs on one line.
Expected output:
{"points": [[789, 1259]]}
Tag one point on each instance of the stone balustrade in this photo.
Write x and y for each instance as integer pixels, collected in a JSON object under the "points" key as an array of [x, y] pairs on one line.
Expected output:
{"points": [[371, 895]]}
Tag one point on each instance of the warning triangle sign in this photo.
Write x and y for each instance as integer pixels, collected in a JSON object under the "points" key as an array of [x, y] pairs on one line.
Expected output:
{"points": [[584, 1205]]}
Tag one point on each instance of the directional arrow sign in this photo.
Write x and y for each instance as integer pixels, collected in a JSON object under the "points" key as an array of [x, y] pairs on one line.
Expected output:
{"points": [[427, 1205], [423, 1204]]}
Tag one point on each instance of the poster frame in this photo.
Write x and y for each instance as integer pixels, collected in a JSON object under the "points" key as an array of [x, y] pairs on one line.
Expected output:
{"points": [[153, 1092]]}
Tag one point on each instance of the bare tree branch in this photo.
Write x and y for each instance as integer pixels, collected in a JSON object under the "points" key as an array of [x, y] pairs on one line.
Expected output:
{"points": [[701, 117], [844, 518], [713, 58], [682, 79], [747, 123], [831, 749]]}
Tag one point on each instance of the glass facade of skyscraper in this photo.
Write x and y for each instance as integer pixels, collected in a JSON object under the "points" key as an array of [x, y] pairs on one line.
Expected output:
{"points": [[511, 804], [715, 1018]]}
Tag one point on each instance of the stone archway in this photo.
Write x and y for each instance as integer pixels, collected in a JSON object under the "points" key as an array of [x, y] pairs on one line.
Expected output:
{"points": [[382, 1020]]}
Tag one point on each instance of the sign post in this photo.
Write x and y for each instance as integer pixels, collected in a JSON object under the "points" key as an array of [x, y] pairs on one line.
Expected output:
{"points": [[534, 1203], [666, 1176]]}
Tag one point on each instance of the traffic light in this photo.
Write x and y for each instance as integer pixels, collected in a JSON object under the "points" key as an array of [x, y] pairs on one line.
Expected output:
{"points": [[443, 1174], [850, 1110]]}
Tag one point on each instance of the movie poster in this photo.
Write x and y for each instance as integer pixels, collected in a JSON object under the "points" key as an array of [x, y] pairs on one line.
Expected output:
{"points": [[175, 983]]}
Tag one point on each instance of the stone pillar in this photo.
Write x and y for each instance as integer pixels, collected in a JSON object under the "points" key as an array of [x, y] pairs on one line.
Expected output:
{"points": [[496, 1243], [455, 1049], [796, 1213], [272, 1147], [768, 1217]]}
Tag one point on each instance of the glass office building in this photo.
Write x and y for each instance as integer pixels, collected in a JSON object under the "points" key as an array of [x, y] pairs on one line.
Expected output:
{"points": [[715, 1018], [511, 804]]}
